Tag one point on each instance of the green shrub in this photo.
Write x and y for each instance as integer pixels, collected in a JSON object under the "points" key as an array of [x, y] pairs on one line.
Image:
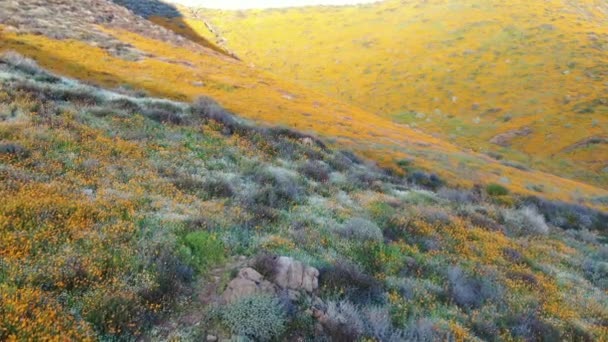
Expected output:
{"points": [[259, 317], [425, 180], [495, 190], [116, 314], [201, 250]]}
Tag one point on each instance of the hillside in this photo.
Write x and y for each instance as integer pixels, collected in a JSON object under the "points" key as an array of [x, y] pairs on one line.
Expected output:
{"points": [[519, 80], [126, 217], [155, 186], [120, 49]]}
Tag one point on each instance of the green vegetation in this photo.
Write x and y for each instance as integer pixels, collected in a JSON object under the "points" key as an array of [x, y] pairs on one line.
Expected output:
{"points": [[495, 190], [201, 250], [259, 317]]}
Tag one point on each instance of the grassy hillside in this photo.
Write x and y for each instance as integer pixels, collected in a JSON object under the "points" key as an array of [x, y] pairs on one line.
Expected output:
{"points": [[143, 56], [123, 217], [521, 80]]}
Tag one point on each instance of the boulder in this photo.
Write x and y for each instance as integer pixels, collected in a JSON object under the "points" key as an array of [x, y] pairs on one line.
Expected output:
{"points": [[294, 275], [248, 282]]}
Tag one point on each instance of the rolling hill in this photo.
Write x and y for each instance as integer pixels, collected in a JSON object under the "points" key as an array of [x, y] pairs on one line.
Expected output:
{"points": [[519, 80]]}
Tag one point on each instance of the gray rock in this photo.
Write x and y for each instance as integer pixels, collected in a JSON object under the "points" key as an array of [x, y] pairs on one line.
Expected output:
{"points": [[294, 275], [247, 283]]}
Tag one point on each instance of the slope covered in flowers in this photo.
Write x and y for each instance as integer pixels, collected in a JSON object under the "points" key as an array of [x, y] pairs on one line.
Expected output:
{"points": [[468, 71], [180, 73], [108, 197]]}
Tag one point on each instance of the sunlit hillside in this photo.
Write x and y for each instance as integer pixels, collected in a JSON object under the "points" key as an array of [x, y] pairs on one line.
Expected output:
{"points": [[135, 53], [521, 80]]}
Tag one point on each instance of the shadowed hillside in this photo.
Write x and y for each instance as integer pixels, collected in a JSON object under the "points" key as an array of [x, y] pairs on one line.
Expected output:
{"points": [[158, 11]]}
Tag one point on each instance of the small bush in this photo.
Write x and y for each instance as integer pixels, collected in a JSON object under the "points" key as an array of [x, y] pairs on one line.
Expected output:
{"points": [[207, 109], [496, 190], [345, 277], [525, 220], [340, 161], [201, 250], [172, 274], [124, 105], [362, 178], [315, 170], [597, 272], [360, 229], [344, 322], [425, 180], [529, 324], [13, 149], [163, 116], [277, 189], [285, 132], [424, 330], [218, 188], [377, 322], [120, 314], [259, 317], [467, 291]]}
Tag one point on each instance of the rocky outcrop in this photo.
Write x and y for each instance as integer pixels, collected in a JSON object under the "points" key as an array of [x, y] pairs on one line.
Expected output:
{"points": [[248, 282], [294, 275], [289, 275]]}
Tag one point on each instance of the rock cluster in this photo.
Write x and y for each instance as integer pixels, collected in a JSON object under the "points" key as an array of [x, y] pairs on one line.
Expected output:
{"points": [[290, 275]]}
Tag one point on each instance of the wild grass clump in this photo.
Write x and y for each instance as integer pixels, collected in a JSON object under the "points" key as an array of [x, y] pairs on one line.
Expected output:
{"points": [[526, 221], [258, 317], [496, 190], [361, 229]]}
